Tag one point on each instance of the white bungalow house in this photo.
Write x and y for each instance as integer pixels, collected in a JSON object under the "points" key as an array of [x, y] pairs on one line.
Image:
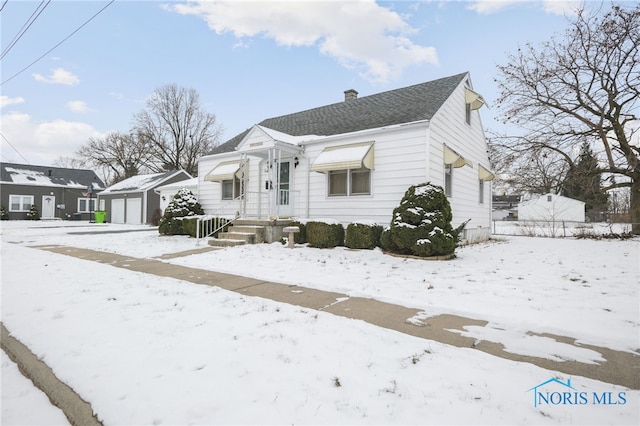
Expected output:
{"points": [[354, 160], [550, 208]]}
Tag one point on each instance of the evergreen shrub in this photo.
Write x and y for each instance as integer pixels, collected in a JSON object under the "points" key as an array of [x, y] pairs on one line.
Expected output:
{"points": [[4, 214], [300, 237], [324, 235], [184, 204], [33, 213], [421, 224], [363, 236]]}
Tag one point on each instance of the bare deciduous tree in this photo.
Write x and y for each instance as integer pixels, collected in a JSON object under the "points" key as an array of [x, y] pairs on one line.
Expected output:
{"points": [[585, 87], [176, 129], [117, 155]]}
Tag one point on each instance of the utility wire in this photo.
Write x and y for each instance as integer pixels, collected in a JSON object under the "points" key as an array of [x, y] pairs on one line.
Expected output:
{"points": [[54, 47], [4, 3], [41, 7], [14, 148]]}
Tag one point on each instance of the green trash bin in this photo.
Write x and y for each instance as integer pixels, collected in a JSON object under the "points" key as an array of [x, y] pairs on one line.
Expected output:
{"points": [[100, 216]]}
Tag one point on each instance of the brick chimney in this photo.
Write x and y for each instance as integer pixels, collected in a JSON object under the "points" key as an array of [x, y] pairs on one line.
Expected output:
{"points": [[350, 95]]}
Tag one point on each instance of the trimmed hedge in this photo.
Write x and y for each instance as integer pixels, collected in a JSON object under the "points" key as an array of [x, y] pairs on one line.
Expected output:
{"points": [[363, 236], [324, 235], [300, 237]]}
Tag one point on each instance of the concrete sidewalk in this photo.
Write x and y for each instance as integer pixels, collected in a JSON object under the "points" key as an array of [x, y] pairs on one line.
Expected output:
{"points": [[620, 368]]}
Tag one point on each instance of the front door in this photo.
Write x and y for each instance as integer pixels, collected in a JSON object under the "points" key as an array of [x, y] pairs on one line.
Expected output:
{"points": [[284, 190], [48, 207]]}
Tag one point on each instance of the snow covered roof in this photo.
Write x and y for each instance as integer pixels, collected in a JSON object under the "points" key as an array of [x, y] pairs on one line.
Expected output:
{"points": [[27, 174], [142, 183], [188, 183]]}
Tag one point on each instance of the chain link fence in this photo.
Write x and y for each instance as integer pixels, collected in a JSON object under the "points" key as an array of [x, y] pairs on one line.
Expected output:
{"points": [[561, 229]]}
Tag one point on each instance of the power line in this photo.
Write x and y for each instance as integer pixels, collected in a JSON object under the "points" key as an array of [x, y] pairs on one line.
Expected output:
{"points": [[4, 3], [54, 47], [14, 148], [41, 7]]}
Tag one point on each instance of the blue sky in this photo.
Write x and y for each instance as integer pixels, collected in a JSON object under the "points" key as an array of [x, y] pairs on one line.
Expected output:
{"points": [[247, 60]]}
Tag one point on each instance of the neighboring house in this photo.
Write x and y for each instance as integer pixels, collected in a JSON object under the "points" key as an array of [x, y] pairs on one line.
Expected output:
{"points": [[134, 200], [167, 192], [57, 192], [551, 208], [354, 160], [505, 207]]}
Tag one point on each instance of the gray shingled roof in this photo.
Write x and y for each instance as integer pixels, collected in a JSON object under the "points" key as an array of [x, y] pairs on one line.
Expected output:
{"points": [[405, 105], [27, 174]]}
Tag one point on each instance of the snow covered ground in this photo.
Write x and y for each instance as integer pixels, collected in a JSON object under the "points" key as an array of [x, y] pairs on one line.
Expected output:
{"points": [[149, 350]]}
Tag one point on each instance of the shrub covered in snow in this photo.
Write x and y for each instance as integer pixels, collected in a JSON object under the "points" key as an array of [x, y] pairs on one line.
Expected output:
{"points": [[33, 213], [325, 235], [363, 235], [184, 204], [4, 214], [421, 224]]}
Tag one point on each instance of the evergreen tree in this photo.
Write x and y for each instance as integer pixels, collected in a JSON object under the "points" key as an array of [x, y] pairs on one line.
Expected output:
{"points": [[33, 213], [421, 224], [184, 204], [584, 183]]}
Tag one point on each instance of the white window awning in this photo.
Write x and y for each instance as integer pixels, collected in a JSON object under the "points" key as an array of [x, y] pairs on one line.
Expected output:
{"points": [[224, 171], [485, 174], [474, 99], [344, 157], [455, 159]]}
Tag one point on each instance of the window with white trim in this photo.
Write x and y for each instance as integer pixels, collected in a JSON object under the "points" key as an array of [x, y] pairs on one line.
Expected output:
{"points": [[448, 179], [467, 112], [20, 203], [481, 189], [231, 188], [86, 205], [349, 182]]}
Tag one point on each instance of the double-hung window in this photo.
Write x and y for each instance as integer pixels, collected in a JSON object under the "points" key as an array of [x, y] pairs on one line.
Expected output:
{"points": [[448, 179], [348, 168], [86, 205], [20, 203], [231, 188], [349, 182]]}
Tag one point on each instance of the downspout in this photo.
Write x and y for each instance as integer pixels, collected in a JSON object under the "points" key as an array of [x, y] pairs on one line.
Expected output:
{"points": [[308, 185]]}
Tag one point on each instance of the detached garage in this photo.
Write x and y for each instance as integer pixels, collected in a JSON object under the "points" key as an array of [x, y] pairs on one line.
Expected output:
{"points": [[133, 201]]}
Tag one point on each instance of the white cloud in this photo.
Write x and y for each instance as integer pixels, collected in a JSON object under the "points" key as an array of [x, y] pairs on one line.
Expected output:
{"points": [[361, 35], [58, 76], [80, 107], [6, 101], [42, 143], [556, 7]]}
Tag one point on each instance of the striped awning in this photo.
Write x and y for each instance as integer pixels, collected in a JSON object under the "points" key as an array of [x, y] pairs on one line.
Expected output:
{"points": [[455, 159], [224, 171], [344, 157], [485, 174]]}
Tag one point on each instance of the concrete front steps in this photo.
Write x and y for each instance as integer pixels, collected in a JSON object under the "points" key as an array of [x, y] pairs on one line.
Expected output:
{"points": [[249, 231]]}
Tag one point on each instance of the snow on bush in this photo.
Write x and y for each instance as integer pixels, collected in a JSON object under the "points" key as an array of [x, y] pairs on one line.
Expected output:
{"points": [[421, 224], [184, 204]]}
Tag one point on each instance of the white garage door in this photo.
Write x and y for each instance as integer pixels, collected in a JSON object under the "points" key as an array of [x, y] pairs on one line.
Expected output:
{"points": [[117, 210], [134, 211]]}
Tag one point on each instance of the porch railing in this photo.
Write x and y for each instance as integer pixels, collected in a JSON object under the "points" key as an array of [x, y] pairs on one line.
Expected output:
{"points": [[207, 225]]}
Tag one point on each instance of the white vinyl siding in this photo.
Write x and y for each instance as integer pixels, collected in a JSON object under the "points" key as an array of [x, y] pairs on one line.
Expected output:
{"points": [[20, 203]]}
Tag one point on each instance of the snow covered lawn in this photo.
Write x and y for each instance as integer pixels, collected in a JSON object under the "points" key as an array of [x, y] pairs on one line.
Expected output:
{"points": [[148, 350]]}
